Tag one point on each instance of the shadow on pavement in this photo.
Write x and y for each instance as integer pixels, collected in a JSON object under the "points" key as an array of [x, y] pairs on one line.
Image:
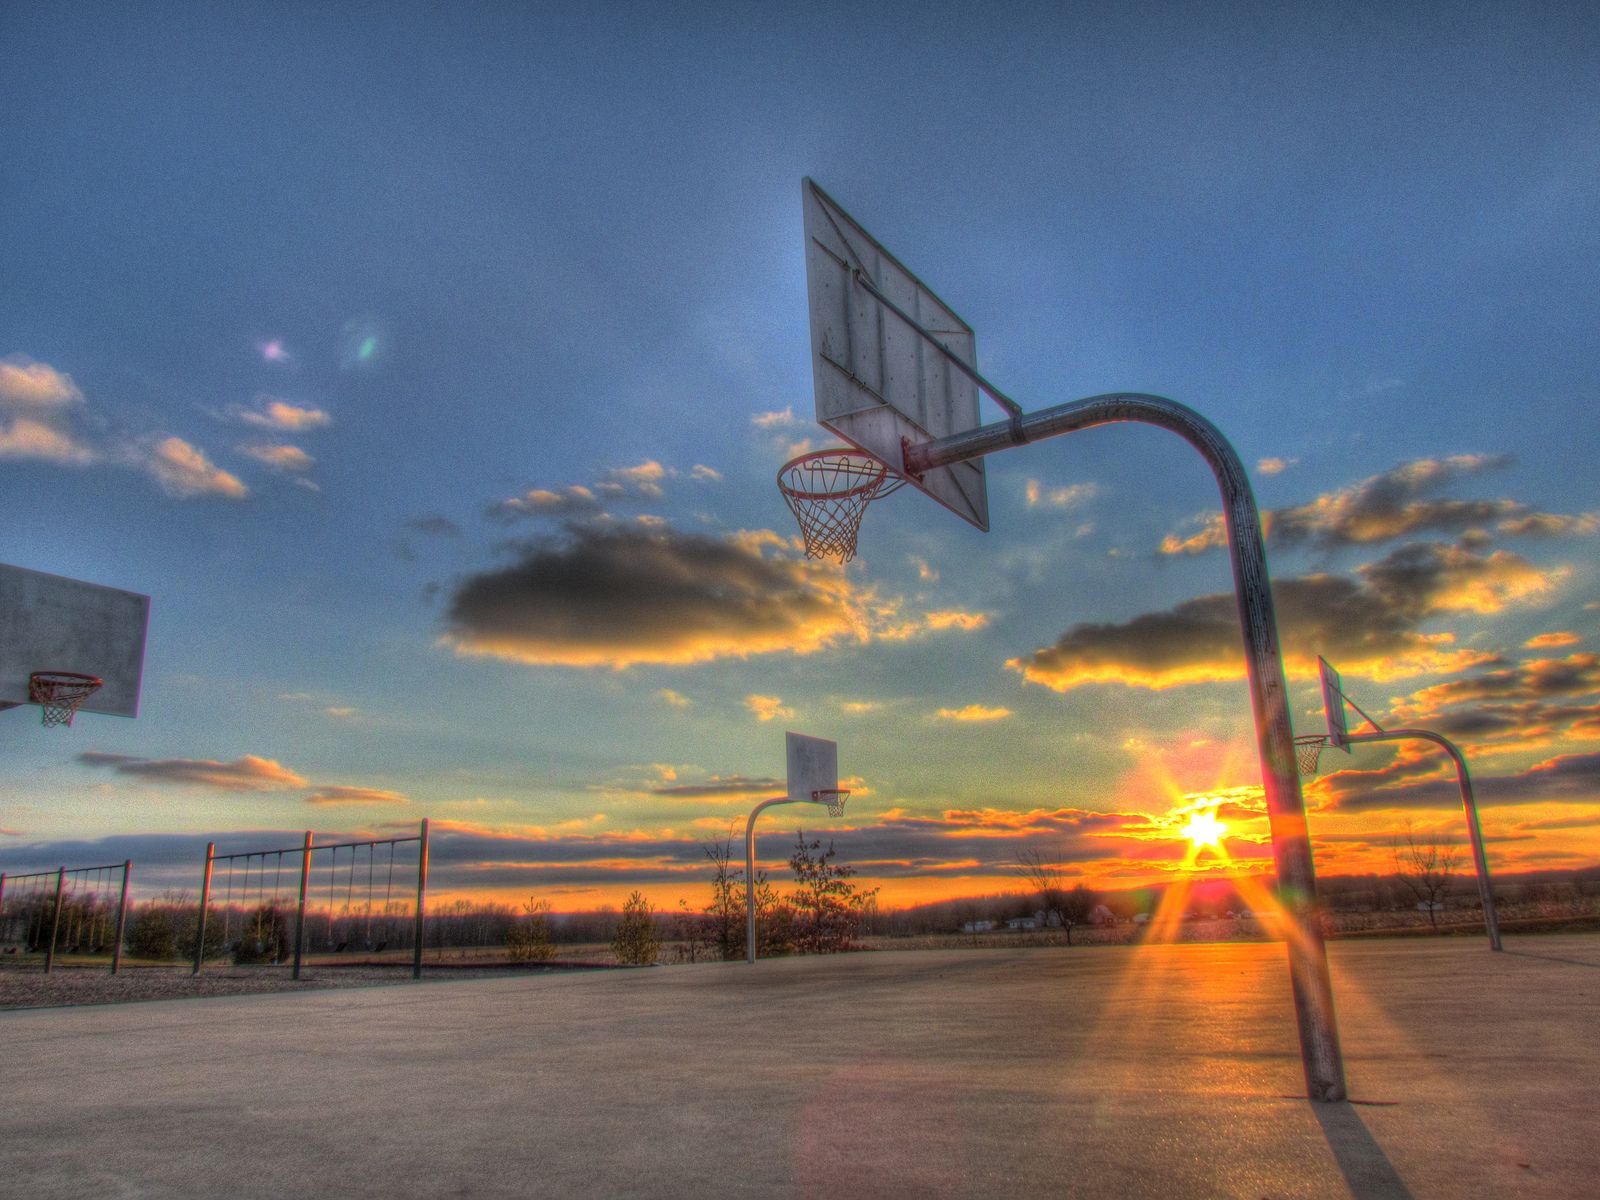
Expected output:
{"points": [[1576, 962], [1366, 1168]]}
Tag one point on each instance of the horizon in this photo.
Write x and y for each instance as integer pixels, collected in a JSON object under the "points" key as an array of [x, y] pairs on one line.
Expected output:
{"points": [[430, 370]]}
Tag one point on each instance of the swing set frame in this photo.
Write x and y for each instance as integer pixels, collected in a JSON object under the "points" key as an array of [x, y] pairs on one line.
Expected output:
{"points": [[305, 851]]}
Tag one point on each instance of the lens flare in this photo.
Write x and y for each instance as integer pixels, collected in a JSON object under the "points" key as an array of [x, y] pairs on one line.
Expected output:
{"points": [[1204, 829]]}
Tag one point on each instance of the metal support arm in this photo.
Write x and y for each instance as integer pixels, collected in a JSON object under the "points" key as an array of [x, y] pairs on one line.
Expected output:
{"points": [[750, 875], [1291, 844]]}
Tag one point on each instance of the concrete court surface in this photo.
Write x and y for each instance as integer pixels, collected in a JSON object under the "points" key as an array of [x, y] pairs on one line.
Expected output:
{"points": [[1167, 1072]]}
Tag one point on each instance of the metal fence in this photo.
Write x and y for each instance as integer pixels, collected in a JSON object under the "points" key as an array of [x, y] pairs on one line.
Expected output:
{"points": [[69, 909], [257, 883]]}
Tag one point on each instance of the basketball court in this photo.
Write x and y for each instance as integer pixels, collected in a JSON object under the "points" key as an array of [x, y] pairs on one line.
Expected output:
{"points": [[1156, 1071]]}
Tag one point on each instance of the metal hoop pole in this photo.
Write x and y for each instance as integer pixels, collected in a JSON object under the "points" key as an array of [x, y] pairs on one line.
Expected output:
{"points": [[750, 875], [1491, 919], [1291, 845]]}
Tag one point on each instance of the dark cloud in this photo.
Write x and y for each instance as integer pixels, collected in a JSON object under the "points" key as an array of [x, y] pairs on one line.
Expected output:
{"points": [[248, 773], [434, 525], [722, 786], [616, 596], [1394, 504], [1416, 783], [1368, 626], [1537, 679]]}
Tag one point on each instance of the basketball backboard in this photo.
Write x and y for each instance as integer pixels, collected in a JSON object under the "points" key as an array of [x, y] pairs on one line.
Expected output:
{"points": [[813, 766], [51, 623], [1333, 704], [877, 380]]}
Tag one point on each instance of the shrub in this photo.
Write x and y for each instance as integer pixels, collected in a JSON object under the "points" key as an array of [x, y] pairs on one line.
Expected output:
{"points": [[636, 943], [528, 939]]}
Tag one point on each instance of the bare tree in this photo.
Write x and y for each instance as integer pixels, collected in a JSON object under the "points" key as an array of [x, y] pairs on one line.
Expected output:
{"points": [[1067, 907], [1428, 869]]}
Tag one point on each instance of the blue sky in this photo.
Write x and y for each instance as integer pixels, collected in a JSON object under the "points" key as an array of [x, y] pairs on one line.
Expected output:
{"points": [[297, 299]]}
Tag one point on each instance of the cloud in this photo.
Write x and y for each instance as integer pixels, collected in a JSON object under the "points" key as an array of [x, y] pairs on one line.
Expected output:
{"points": [[954, 619], [618, 596], [37, 404], [271, 413], [973, 712], [675, 699], [1549, 641], [775, 420], [705, 474], [1369, 627], [341, 795], [183, 470], [723, 787], [245, 774], [1537, 679], [858, 707], [1388, 506], [767, 708], [576, 500], [291, 459], [1275, 466], [434, 525], [1568, 778], [1062, 497]]}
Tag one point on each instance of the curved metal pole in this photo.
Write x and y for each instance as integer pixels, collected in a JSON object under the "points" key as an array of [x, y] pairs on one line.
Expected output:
{"points": [[750, 875], [1491, 920], [1291, 844]]}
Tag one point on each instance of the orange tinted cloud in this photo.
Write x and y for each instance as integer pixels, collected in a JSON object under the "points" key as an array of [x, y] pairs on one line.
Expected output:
{"points": [[974, 712], [1551, 641], [342, 795], [248, 773], [183, 470]]}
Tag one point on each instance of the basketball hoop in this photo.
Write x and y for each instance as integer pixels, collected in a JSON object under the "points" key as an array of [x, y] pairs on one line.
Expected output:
{"points": [[828, 491], [60, 693], [1307, 749], [834, 798]]}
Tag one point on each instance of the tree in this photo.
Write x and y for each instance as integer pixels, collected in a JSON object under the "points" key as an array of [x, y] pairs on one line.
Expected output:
{"points": [[151, 934], [1427, 868], [828, 906], [727, 911], [636, 943], [1062, 906], [528, 938], [263, 939]]}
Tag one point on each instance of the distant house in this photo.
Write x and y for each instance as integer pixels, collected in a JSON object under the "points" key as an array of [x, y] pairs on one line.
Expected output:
{"points": [[977, 926], [1140, 918], [1022, 923], [1101, 915]]}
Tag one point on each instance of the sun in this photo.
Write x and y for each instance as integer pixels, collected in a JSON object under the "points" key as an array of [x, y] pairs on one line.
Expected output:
{"points": [[1204, 829]]}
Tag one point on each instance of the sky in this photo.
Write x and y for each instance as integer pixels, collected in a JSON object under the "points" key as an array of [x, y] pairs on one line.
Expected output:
{"points": [[430, 368]]}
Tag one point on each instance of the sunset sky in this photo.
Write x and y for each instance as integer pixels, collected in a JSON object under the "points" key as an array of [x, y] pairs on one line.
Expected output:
{"points": [[430, 366]]}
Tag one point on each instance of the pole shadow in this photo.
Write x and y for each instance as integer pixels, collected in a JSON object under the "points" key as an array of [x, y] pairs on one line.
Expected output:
{"points": [[1575, 962], [1366, 1168]]}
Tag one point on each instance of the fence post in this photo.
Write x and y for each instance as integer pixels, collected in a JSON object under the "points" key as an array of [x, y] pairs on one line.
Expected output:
{"points": [[122, 917], [300, 914], [55, 923], [422, 892], [205, 895]]}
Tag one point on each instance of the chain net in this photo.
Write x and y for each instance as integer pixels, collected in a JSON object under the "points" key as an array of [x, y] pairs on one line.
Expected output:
{"points": [[828, 491], [59, 693], [1307, 750], [834, 800]]}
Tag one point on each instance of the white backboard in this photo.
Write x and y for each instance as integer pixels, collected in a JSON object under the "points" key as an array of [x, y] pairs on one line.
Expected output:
{"points": [[51, 623], [813, 765], [876, 380], [1333, 703]]}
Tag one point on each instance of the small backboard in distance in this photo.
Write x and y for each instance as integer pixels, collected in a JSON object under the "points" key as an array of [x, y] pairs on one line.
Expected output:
{"points": [[876, 380], [52, 623], [813, 766]]}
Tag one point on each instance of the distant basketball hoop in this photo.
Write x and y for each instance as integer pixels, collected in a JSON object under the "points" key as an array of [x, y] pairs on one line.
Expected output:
{"points": [[828, 491], [59, 693]]}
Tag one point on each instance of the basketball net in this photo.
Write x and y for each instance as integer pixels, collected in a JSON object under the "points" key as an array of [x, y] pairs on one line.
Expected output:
{"points": [[828, 491], [59, 693]]}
